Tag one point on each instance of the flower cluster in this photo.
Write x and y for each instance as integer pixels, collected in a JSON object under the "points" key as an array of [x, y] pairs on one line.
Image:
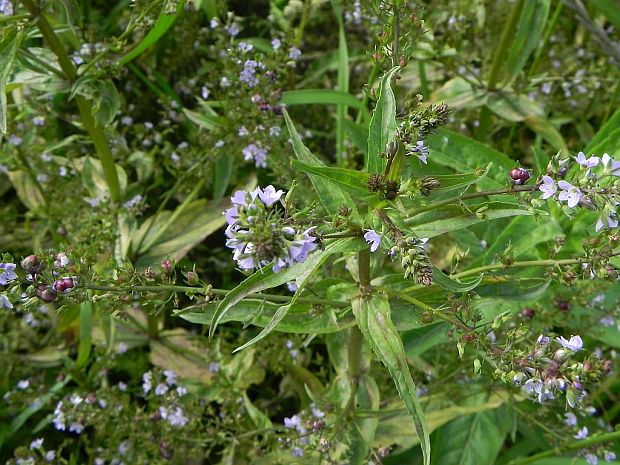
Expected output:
{"points": [[593, 186], [259, 235], [543, 375], [7, 275], [306, 428]]}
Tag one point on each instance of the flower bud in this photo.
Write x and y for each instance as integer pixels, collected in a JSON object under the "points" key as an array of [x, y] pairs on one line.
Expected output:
{"points": [[32, 264], [166, 266], [46, 294], [519, 175], [528, 313]]}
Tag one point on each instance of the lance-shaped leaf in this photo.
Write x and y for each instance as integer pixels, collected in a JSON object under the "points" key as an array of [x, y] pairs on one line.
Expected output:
{"points": [[331, 198], [382, 124], [267, 279], [453, 285], [373, 318]]}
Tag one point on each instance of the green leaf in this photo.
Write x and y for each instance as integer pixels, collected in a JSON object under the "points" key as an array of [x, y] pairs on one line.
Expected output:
{"points": [[223, 173], [514, 288], [94, 179], [343, 82], [451, 284], [357, 135], [267, 279], [163, 23], [26, 190], [302, 318], [363, 429], [607, 139], [524, 244], [260, 420], [458, 93], [6, 63], [331, 198], [450, 218], [204, 120], [528, 36], [382, 124], [86, 313], [198, 220], [373, 318], [520, 108], [320, 97], [474, 439], [103, 96], [419, 340], [463, 155], [610, 9]]}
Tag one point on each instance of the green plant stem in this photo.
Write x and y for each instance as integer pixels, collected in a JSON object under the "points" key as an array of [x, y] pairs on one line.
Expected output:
{"points": [[496, 65], [598, 439], [521, 264], [205, 291], [356, 339], [95, 131], [473, 195], [152, 325]]}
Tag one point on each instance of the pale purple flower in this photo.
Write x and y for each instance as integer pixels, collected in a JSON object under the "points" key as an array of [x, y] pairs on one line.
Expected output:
{"points": [[248, 74], [171, 377], [175, 416], [587, 162], [147, 381], [243, 131], [608, 218], [548, 187], [294, 53], [38, 120], [215, 22], [15, 140], [591, 459], [276, 44], [76, 427], [292, 422], [181, 390], [7, 273], [297, 452], [607, 321], [256, 153], [373, 238], [610, 456], [233, 29], [570, 419], [275, 131], [50, 455], [269, 195], [546, 88], [610, 165], [121, 348], [161, 389], [245, 47], [204, 92], [582, 433], [574, 343], [291, 286], [569, 193], [420, 150], [23, 384], [59, 417], [5, 302], [36, 444], [6, 7], [214, 367]]}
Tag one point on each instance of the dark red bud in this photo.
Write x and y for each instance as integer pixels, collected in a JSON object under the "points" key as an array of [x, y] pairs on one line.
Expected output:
{"points": [[46, 294], [68, 282], [519, 175], [59, 286], [528, 313], [166, 265], [32, 264]]}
